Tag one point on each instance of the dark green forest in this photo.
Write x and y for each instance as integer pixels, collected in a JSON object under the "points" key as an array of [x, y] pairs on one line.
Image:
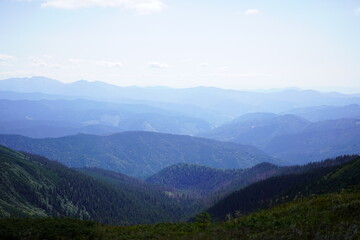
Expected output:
{"points": [[213, 184], [32, 186], [42, 199], [334, 216], [319, 178]]}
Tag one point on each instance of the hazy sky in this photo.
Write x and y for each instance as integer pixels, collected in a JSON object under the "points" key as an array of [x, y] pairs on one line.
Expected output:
{"points": [[241, 44]]}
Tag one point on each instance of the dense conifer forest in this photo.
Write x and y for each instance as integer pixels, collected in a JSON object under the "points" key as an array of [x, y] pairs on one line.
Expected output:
{"points": [[33, 186], [314, 201]]}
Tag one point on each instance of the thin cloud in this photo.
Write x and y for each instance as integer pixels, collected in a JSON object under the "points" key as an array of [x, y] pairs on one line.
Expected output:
{"points": [[47, 56], [251, 12], [75, 60], [157, 65], [245, 75], [17, 73], [141, 7], [357, 11], [223, 68], [230, 75], [204, 65], [40, 62], [6, 58], [37, 62], [110, 64]]}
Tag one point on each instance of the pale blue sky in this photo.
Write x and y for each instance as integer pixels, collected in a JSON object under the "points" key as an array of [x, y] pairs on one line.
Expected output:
{"points": [[249, 44]]}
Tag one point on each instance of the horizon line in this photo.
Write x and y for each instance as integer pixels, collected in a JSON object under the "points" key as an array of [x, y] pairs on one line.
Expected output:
{"points": [[260, 90]]}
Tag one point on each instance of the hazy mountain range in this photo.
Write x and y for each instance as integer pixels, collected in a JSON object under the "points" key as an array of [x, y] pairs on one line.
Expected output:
{"points": [[293, 125], [55, 118], [212, 104], [189, 149], [321, 113]]}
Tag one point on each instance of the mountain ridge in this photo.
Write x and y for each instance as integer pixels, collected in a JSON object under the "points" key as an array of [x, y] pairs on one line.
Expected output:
{"points": [[138, 153], [73, 116]]}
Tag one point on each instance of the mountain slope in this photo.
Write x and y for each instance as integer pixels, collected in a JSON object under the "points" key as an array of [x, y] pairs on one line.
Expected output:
{"points": [[194, 179], [275, 190], [257, 129], [213, 184], [128, 183], [318, 141], [202, 181], [34, 186], [322, 113], [292, 138], [138, 153]]}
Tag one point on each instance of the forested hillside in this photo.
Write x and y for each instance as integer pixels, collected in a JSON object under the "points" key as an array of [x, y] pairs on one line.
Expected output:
{"points": [[32, 186], [333, 216], [213, 184], [194, 179], [202, 181]]}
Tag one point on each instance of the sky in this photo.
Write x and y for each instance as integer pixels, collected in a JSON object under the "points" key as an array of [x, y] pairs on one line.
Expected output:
{"points": [[234, 44]]}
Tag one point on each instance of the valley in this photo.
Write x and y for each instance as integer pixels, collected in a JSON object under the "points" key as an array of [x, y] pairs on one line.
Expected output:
{"points": [[136, 169], [179, 120]]}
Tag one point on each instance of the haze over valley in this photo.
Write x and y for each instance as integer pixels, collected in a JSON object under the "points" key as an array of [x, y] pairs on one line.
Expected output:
{"points": [[157, 119]]}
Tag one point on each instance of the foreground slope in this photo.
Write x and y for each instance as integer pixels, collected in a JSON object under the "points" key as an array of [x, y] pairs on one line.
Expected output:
{"points": [[333, 216], [34, 186], [138, 153]]}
